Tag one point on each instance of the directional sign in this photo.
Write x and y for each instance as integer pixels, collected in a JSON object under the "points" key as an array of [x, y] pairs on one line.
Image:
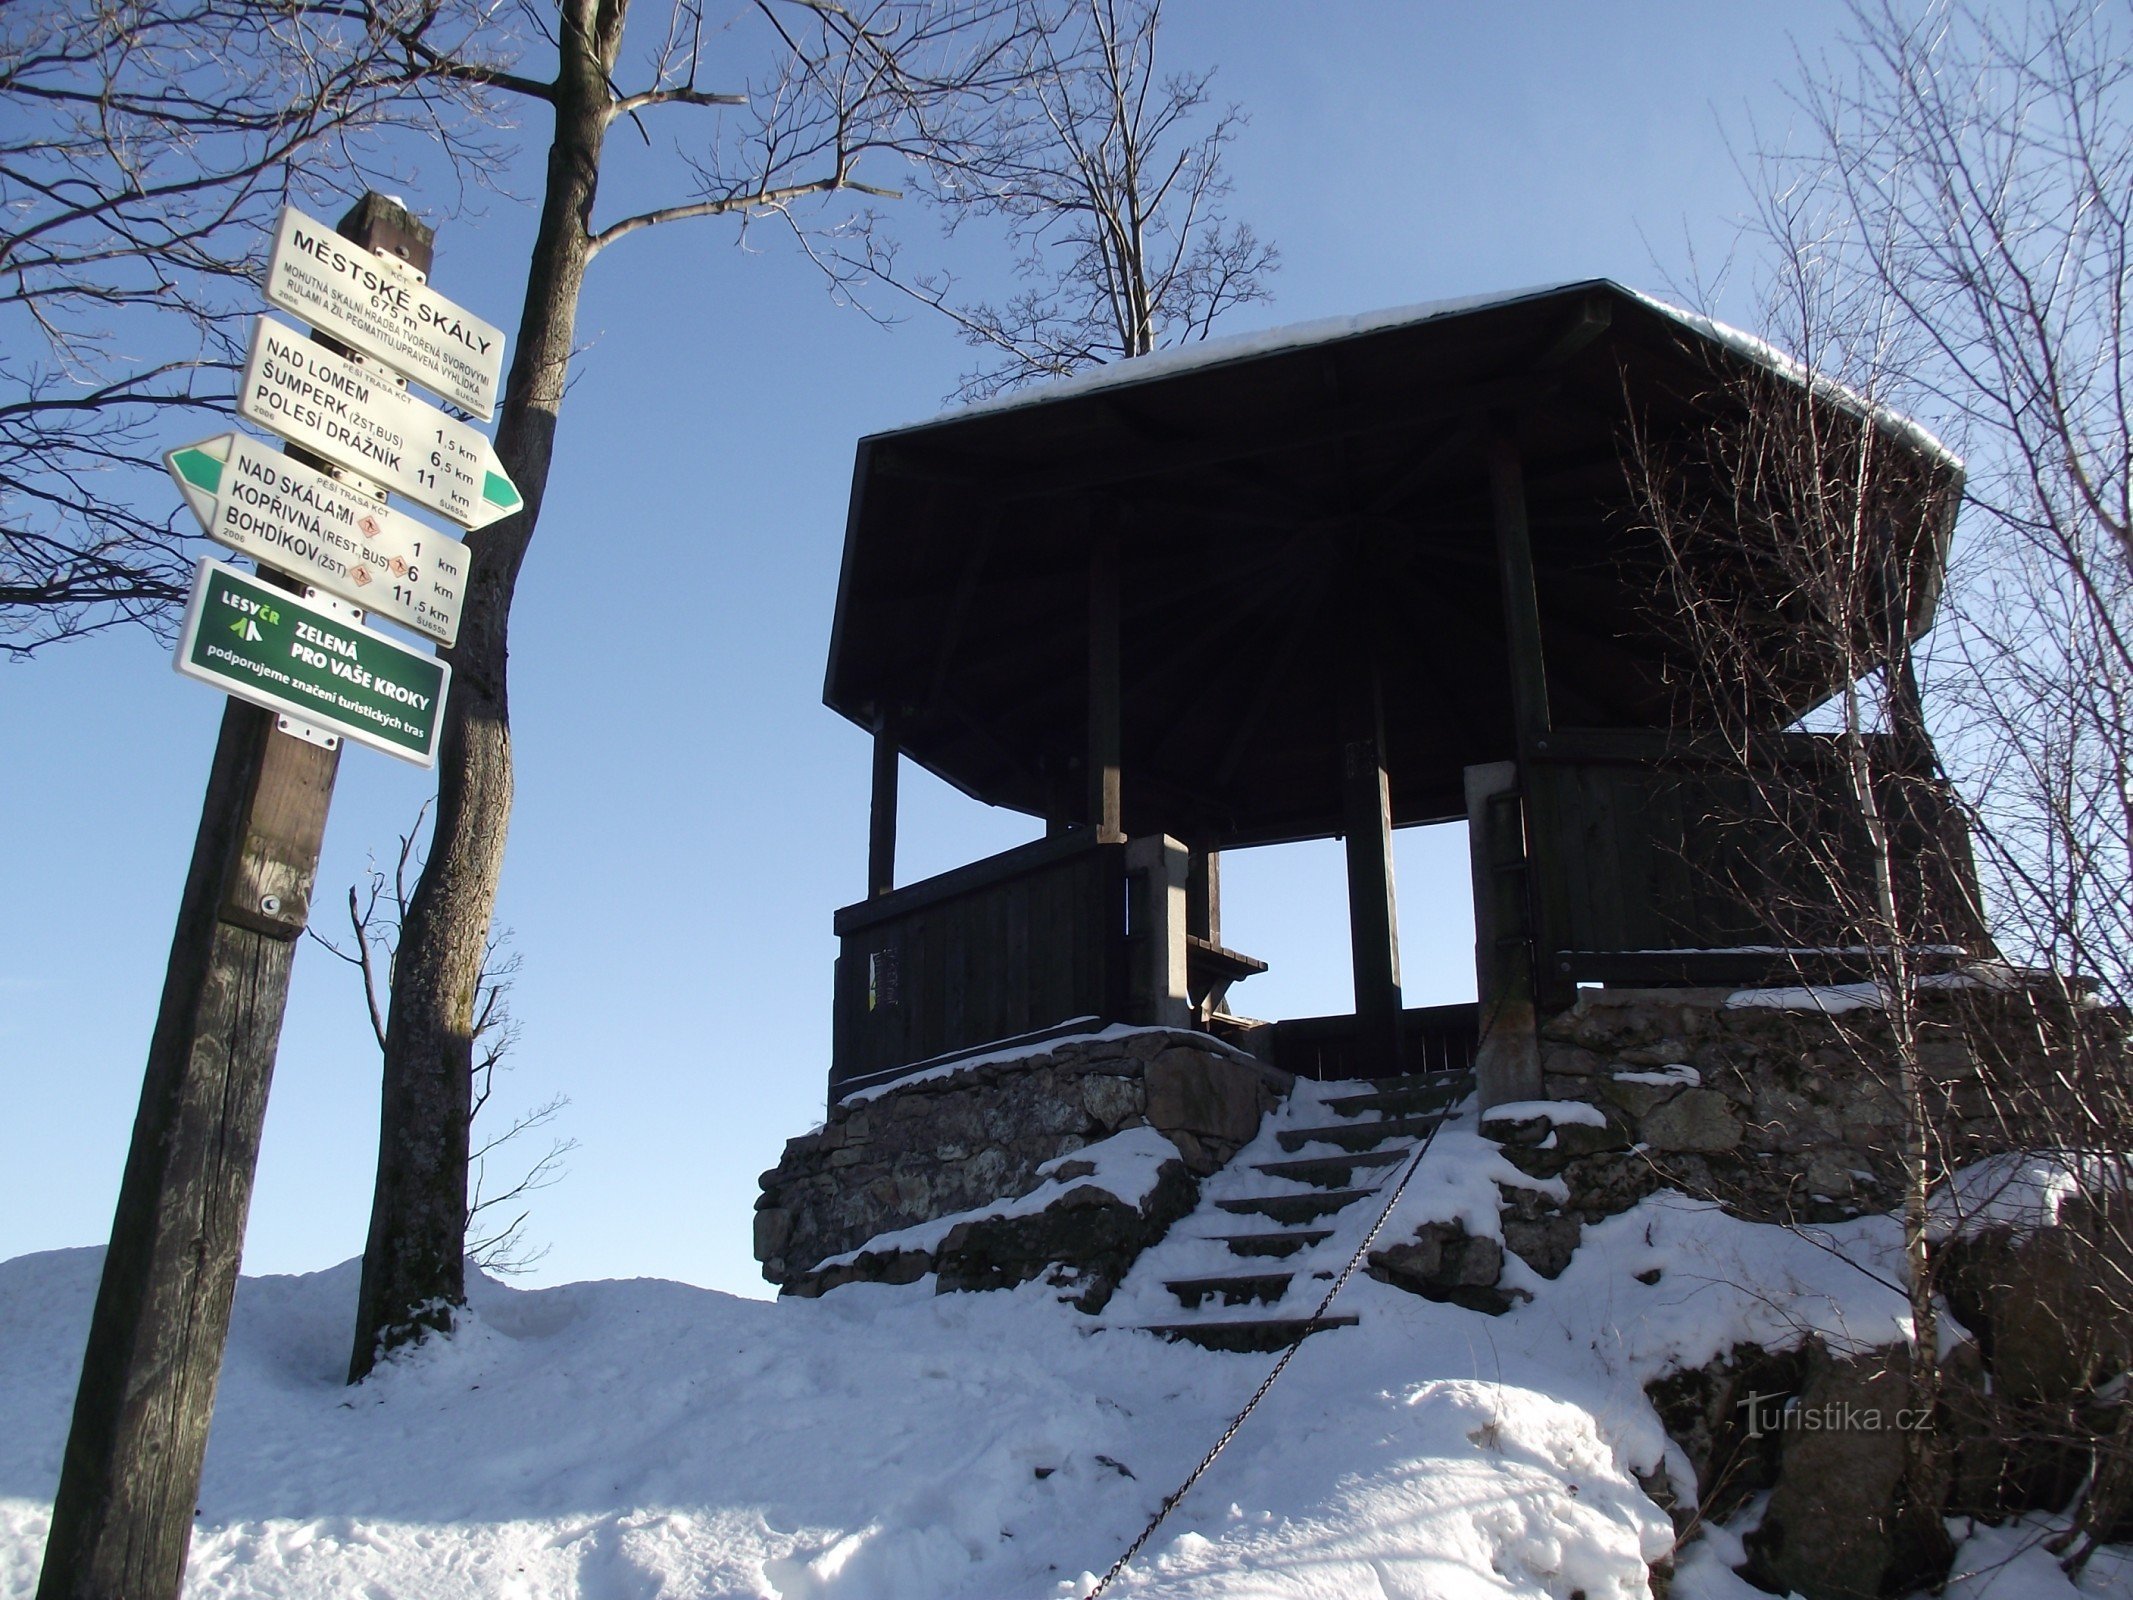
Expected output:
{"points": [[255, 499], [265, 645], [359, 418], [384, 310]]}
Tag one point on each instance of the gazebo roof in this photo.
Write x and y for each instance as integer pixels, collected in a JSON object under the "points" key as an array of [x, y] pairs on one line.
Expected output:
{"points": [[1282, 502]]}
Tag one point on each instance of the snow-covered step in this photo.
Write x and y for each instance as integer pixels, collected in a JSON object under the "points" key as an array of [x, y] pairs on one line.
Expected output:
{"points": [[1435, 1093], [1281, 1242], [1232, 1289], [1264, 1334], [1362, 1133], [1332, 1172], [1294, 1207]]}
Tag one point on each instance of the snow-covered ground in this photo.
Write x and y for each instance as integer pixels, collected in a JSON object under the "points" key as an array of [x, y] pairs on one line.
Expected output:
{"points": [[643, 1440]]}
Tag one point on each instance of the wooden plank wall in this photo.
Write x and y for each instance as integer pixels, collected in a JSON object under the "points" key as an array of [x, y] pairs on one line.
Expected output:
{"points": [[1659, 849], [1027, 939]]}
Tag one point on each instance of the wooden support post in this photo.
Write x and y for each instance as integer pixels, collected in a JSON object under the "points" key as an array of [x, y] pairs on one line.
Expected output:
{"points": [[1530, 712], [1203, 895], [881, 819], [1373, 917], [130, 1479], [1507, 1064], [1104, 722]]}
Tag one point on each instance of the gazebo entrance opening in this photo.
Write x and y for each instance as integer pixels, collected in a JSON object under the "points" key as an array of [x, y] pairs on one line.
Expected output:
{"points": [[1316, 587]]}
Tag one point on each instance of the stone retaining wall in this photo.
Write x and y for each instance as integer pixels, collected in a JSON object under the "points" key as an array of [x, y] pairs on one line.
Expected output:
{"points": [[942, 1144]]}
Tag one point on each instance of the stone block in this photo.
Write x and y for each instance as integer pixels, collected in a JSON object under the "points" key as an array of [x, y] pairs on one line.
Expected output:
{"points": [[1842, 1522], [1637, 1100], [1443, 1262], [1208, 1105], [1695, 1119], [1112, 1102]]}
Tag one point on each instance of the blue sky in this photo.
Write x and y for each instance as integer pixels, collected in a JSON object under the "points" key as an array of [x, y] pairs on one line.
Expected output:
{"points": [[688, 813]]}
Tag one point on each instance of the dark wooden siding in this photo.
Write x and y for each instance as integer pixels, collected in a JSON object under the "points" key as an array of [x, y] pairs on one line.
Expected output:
{"points": [[1659, 862], [1006, 946]]}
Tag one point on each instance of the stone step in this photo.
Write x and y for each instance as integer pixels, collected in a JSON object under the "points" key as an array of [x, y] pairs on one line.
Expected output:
{"points": [[1286, 1243], [1266, 1335], [1295, 1207], [1405, 1100], [1236, 1289], [1330, 1172], [1361, 1134]]}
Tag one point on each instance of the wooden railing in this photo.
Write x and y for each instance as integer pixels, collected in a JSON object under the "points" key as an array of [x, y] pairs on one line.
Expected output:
{"points": [[1006, 946], [1662, 861], [1433, 1039]]}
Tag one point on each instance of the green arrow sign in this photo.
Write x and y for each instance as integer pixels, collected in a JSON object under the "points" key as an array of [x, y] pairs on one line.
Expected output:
{"points": [[263, 503], [265, 645]]}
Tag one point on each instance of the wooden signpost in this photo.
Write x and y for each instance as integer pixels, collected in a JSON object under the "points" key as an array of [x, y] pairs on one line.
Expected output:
{"points": [[302, 672]]}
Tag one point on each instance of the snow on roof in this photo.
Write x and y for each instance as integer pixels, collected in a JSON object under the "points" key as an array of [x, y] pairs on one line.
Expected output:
{"points": [[1326, 330]]}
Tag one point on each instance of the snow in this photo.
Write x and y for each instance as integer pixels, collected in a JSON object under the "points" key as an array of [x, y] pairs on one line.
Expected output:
{"points": [[1828, 998], [651, 1440], [1575, 1113], [1243, 347], [1674, 1072], [2020, 1191]]}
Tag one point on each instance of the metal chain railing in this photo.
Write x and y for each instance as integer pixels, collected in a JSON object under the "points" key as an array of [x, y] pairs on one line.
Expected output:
{"points": [[1171, 1500]]}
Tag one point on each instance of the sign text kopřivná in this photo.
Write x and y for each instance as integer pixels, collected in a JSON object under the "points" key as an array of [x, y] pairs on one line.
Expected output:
{"points": [[263, 503], [266, 645], [384, 310]]}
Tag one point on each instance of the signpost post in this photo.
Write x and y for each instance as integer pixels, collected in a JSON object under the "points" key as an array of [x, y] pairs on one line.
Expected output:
{"points": [[293, 661]]}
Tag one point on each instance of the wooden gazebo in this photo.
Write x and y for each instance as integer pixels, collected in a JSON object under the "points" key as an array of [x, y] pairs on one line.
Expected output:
{"points": [[1325, 582]]}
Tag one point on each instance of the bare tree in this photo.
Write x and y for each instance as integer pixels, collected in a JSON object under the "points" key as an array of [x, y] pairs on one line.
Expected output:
{"points": [[145, 146], [808, 98], [496, 1213], [1954, 245], [1107, 179]]}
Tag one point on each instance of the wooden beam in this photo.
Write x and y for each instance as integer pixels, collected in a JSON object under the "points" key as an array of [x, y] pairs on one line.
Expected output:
{"points": [[881, 816], [1203, 895], [1507, 1063], [1271, 681], [1104, 711], [1373, 917], [129, 1481], [1521, 599], [966, 589], [1546, 837]]}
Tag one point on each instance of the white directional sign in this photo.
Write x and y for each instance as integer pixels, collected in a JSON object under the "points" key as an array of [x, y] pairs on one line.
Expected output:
{"points": [[364, 300], [358, 417], [253, 498]]}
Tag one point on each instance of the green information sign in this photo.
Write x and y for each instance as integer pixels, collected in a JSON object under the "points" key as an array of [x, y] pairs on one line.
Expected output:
{"points": [[266, 645]]}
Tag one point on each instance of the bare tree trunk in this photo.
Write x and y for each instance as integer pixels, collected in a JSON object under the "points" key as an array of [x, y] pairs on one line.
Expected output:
{"points": [[414, 1269]]}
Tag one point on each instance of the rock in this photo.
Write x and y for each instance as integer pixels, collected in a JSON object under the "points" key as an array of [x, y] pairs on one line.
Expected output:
{"points": [[1208, 1105], [1544, 1243], [1088, 1230], [2048, 1328], [1635, 1100], [1707, 1412], [1842, 1522], [1112, 1102], [1443, 1262], [1572, 1061], [1695, 1119]]}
